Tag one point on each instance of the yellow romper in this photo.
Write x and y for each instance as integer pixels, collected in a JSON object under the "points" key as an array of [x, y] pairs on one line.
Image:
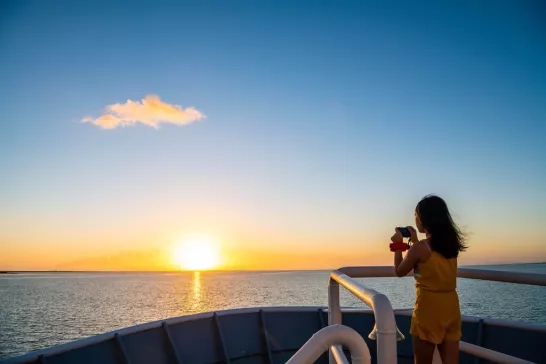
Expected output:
{"points": [[436, 316]]}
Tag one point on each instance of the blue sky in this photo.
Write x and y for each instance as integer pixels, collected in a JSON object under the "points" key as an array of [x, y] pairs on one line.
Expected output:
{"points": [[323, 120]]}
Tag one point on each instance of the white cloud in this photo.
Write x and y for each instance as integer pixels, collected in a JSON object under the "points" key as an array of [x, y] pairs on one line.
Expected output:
{"points": [[150, 111]]}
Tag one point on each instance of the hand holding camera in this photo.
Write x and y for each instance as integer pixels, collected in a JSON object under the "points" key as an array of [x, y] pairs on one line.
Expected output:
{"points": [[399, 235], [408, 232]]}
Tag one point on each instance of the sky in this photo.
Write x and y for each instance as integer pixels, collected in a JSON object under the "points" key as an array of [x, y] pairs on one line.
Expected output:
{"points": [[296, 135]]}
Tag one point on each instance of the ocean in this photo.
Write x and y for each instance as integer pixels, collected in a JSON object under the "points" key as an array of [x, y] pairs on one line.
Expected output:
{"points": [[38, 310]]}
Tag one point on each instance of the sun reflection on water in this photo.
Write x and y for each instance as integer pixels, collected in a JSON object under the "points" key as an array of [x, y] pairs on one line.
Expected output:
{"points": [[196, 289]]}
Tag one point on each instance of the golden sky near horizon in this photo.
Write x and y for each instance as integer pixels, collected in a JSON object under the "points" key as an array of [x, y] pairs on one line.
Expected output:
{"points": [[213, 252]]}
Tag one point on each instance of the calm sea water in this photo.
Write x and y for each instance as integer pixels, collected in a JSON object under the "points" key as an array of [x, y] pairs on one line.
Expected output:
{"points": [[38, 310]]}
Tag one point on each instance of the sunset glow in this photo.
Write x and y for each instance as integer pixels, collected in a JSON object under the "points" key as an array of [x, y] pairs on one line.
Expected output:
{"points": [[197, 255]]}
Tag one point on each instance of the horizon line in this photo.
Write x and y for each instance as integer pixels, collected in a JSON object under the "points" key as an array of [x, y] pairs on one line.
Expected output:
{"points": [[225, 270]]}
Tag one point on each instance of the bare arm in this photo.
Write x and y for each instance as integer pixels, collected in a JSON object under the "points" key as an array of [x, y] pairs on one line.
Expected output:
{"points": [[404, 265]]}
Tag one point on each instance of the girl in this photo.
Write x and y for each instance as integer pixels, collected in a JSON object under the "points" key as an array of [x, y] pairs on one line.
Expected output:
{"points": [[436, 319]]}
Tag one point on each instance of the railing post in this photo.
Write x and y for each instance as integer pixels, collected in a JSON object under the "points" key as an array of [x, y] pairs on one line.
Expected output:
{"points": [[334, 311], [386, 330]]}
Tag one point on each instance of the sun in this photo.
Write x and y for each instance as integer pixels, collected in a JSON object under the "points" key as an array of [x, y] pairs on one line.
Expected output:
{"points": [[197, 254]]}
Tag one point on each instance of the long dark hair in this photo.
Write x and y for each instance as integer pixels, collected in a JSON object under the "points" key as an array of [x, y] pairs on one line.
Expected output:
{"points": [[445, 237]]}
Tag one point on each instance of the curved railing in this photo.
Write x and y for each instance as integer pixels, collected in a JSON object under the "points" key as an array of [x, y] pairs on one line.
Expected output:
{"points": [[384, 315], [382, 310], [331, 337]]}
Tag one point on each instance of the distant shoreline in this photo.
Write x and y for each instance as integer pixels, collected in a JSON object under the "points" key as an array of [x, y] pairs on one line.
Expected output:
{"points": [[229, 271]]}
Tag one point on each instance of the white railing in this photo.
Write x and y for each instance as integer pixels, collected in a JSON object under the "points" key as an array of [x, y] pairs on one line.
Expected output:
{"points": [[382, 309], [333, 336], [384, 315], [490, 355]]}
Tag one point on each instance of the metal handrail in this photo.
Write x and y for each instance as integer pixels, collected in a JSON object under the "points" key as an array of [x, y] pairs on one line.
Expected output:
{"points": [[490, 355], [536, 279], [333, 336], [339, 355], [334, 314], [382, 310]]}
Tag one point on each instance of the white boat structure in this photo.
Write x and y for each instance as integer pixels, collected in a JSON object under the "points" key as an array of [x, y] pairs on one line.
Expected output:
{"points": [[298, 335]]}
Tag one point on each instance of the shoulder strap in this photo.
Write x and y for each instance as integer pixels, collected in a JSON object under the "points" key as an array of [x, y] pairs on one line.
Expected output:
{"points": [[428, 246]]}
